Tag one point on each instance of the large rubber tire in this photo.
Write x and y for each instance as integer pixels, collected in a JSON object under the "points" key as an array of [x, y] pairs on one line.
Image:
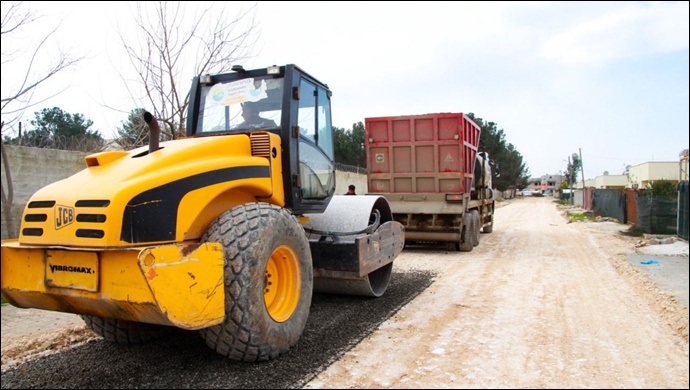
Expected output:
{"points": [[489, 227], [125, 332], [268, 282], [475, 227], [466, 245]]}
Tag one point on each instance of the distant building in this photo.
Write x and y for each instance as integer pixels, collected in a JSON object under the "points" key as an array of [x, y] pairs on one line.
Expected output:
{"points": [[605, 181], [545, 183], [638, 176]]}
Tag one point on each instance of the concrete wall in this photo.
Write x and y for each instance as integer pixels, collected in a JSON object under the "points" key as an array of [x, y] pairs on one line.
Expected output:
{"points": [[33, 168], [588, 183], [344, 179]]}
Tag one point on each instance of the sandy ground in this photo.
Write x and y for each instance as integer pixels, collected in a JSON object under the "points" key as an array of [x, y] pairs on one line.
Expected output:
{"points": [[538, 304], [541, 302]]}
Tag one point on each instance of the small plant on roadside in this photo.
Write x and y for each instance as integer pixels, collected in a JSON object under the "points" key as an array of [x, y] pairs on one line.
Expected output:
{"points": [[578, 217], [633, 231]]}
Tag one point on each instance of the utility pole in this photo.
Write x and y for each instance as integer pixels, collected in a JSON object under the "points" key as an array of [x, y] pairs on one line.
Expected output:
{"points": [[570, 180], [582, 169]]}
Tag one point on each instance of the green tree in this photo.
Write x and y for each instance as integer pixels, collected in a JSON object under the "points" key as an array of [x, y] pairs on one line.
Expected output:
{"points": [[349, 145], [574, 166], [513, 170], [662, 188], [57, 129], [134, 131]]}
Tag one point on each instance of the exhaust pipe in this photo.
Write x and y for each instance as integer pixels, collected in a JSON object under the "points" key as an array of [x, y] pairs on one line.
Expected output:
{"points": [[154, 131]]}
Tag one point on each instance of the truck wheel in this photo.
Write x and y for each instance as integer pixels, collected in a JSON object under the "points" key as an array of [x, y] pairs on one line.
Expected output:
{"points": [[475, 227], [268, 282], [466, 244], [489, 227], [125, 332]]}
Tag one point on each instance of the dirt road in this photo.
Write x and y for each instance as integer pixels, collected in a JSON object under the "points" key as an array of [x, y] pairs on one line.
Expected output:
{"points": [[540, 303]]}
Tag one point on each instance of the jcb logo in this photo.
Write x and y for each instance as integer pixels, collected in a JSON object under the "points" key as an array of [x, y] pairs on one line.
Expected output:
{"points": [[64, 215]]}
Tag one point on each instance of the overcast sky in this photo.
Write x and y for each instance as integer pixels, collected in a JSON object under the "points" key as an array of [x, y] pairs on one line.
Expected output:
{"points": [[607, 78]]}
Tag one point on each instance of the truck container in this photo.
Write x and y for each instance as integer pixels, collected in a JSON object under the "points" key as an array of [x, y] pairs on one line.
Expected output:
{"points": [[433, 172]]}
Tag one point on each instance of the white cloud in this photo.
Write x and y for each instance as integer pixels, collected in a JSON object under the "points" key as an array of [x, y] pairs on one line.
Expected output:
{"points": [[625, 30], [555, 76]]}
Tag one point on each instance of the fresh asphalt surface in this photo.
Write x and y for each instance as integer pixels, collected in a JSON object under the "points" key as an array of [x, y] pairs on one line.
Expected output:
{"points": [[668, 272], [182, 360]]}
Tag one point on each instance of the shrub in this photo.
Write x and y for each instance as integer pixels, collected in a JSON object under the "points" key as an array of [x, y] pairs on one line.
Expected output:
{"points": [[664, 189]]}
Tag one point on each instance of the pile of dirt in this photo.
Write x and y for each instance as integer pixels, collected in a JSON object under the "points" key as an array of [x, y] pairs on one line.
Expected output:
{"points": [[17, 350]]}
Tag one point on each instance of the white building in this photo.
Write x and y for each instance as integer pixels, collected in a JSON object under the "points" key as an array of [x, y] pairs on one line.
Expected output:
{"points": [[638, 176]]}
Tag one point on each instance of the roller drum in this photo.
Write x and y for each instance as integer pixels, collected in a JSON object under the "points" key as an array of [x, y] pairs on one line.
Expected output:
{"points": [[353, 244]]}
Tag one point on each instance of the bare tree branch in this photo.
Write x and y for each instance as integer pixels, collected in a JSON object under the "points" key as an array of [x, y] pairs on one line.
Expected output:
{"points": [[20, 97], [172, 39], [17, 98], [14, 18]]}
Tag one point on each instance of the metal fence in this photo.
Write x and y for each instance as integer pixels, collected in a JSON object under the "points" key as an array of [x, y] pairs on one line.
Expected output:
{"points": [[652, 215], [350, 168], [683, 210], [610, 203]]}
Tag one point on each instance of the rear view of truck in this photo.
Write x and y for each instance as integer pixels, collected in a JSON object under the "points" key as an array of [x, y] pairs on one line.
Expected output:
{"points": [[435, 176]]}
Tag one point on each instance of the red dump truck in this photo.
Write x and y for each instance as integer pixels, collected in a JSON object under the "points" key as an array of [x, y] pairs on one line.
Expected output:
{"points": [[436, 177]]}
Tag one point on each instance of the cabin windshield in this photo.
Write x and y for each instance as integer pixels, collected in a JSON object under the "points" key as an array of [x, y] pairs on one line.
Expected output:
{"points": [[240, 105]]}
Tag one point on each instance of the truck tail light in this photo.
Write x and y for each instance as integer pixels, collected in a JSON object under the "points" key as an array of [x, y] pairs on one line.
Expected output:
{"points": [[454, 198]]}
